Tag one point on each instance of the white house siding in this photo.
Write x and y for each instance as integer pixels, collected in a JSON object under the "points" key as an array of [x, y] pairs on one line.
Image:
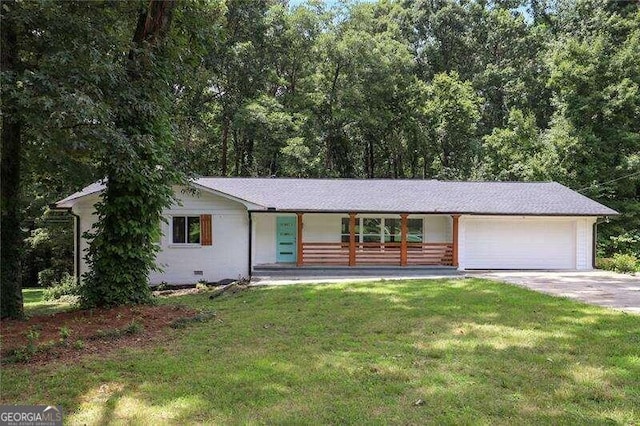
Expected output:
{"points": [[316, 228], [227, 257], [507, 242], [84, 208], [584, 243], [264, 238], [322, 227], [437, 229]]}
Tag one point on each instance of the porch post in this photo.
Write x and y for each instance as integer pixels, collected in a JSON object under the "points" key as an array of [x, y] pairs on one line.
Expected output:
{"points": [[455, 239], [403, 239], [352, 239], [299, 257]]}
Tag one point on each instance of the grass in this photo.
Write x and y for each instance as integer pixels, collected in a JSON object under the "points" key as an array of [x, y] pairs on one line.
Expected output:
{"points": [[34, 304], [473, 351]]}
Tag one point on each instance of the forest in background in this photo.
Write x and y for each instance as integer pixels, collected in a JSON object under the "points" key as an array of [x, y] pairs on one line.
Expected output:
{"points": [[518, 90]]}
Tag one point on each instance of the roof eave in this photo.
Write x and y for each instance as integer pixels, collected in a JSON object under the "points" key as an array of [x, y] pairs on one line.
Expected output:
{"points": [[250, 205], [471, 213]]}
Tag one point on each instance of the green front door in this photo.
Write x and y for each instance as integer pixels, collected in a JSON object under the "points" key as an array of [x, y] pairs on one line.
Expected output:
{"points": [[286, 239]]}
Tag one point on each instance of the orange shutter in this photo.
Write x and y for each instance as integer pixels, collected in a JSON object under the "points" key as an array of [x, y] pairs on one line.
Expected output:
{"points": [[205, 230]]}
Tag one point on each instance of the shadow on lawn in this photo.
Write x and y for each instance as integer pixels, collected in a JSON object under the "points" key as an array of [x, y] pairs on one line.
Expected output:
{"points": [[34, 304], [470, 350]]}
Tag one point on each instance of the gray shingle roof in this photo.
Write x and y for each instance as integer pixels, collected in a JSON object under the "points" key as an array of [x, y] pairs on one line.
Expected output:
{"points": [[417, 196]]}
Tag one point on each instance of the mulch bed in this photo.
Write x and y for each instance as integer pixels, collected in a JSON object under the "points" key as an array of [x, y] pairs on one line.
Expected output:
{"points": [[89, 331]]}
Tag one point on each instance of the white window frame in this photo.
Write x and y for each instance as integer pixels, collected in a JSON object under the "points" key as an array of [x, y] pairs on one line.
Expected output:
{"points": [[186, 244], [360, 224]]}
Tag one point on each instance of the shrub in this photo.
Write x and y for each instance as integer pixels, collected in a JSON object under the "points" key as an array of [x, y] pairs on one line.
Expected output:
{"points": [[47, 277], [605, 263], [32, 337], [133, 327], [65, 332], [17, 355], [624, 263], [25, 352], [202, 285], [627, 243], [67, 286]]}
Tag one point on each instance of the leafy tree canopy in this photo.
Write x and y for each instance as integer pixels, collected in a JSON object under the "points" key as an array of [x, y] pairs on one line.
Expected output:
{"points": [[449, 89]]}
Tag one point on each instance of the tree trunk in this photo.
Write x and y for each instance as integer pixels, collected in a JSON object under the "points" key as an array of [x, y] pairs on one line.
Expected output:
{"points": [[400, 166], [139, 173], [153, 25], [425, 167], [273, 165], [11, 235], [414, 165], [248, 166], [370, 159], [237, 153], [224, 147]]}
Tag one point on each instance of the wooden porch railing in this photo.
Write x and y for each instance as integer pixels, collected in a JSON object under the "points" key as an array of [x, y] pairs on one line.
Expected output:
{"points": [[430, 254], [377, 254], [325, 254]]}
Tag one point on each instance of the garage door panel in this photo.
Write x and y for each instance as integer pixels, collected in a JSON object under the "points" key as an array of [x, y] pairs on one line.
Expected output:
{"points": [[519, 244]]}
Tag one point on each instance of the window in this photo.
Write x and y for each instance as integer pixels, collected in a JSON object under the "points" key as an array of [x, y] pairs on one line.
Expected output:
{"points": [[392, 231], [345, 230], [186, 229], [378, 230], [371, 230], [415, 230]]}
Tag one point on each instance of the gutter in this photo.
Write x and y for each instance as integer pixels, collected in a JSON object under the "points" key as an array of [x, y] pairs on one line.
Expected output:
{"points": [[274, 210], [594, 236], [76, 251]]}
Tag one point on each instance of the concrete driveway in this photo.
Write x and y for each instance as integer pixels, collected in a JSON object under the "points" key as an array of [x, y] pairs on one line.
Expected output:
{"points": [[604, 288]]}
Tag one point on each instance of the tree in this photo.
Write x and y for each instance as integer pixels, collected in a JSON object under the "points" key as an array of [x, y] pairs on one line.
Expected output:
{"points": [[513, 153], [450, 115], [512, 70], [65, 50], [441, 34], [11, 297], [138, 170], [237, 67], [596, 82], [344, 89]]}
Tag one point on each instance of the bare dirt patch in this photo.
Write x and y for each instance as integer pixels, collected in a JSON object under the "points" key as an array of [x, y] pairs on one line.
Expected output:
{"points": [[67, 335]]}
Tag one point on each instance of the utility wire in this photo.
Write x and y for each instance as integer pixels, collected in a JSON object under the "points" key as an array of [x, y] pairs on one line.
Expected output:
{"points": [[609, 181]]}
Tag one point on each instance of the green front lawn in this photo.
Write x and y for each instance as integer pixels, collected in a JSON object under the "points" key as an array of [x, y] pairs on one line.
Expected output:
{"points": [[34, 304], [411, 352]]}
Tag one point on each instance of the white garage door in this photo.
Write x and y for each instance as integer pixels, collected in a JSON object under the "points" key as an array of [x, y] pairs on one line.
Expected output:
{"points": [[519, 244]]}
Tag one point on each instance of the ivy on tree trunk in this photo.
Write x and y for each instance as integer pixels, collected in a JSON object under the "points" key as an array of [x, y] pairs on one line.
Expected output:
{"points": [[137, 165]]}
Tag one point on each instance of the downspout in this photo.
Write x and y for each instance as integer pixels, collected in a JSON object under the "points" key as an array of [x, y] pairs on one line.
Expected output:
{"points": [[594, 235], [76, 250], [250, 241]]}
